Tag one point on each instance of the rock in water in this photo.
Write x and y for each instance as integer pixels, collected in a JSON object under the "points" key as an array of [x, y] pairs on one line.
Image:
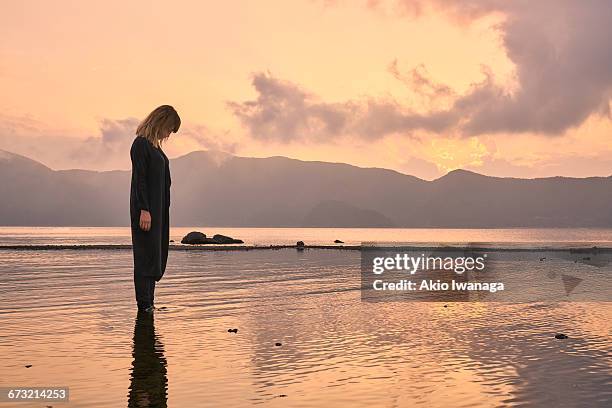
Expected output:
{"points": [[232, 330], [338, 242], [278, 344], [560, 336], [299, 245], [222, 239], [195, 237]]}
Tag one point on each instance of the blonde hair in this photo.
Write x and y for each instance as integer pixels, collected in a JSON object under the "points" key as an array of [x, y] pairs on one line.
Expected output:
{"points": [[163, 119]]}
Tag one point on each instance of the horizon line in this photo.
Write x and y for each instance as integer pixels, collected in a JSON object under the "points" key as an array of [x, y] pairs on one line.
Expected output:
{"points": [[450, 172]]}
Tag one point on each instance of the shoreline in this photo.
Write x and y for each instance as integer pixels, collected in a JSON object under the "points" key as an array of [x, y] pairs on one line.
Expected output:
{"points": [[201, 247], [239, 247]]}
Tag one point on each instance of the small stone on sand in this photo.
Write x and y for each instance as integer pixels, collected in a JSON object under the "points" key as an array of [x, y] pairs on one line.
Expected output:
{"points": [[232, 330], [560, 336], [278, 344]]}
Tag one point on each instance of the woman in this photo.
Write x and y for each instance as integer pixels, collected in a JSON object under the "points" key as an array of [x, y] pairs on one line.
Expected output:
{"points": [[150, 202]]}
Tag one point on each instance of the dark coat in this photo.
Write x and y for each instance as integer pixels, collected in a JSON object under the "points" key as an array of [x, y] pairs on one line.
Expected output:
{"points": [[150, 190]]}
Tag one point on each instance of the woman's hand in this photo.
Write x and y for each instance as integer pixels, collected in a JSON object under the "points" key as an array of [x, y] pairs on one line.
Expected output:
{"points": [[145, 220]]}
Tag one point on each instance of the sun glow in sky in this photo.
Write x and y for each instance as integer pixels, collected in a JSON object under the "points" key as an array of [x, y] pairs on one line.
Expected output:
{"points": [[501, 88]]}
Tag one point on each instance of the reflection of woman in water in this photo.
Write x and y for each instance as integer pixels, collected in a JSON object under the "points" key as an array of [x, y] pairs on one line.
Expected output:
{"points": [[150, 202], [148, 379]]}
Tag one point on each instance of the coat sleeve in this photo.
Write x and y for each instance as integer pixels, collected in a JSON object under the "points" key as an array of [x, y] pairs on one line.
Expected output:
{"points": [[140, 164]]}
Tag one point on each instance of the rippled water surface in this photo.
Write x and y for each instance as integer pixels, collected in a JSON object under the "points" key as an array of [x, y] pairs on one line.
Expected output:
{"points": [[71, 315]]}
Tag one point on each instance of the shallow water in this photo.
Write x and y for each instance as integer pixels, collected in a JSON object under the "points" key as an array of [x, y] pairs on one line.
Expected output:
{"points": [[317, 236], [70, 314]]}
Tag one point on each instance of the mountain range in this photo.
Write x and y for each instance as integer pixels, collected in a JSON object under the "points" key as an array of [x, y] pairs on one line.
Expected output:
{"points": [[218, 189]]}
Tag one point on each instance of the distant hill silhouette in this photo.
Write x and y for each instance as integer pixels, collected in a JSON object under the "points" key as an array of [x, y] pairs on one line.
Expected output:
{"points": [[215, 189], [340, 214]]}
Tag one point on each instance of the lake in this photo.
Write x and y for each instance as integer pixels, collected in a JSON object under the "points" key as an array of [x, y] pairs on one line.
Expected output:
{"points": [[70, 314]]}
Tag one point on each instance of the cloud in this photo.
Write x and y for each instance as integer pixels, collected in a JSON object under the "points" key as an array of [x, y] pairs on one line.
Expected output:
{"points": [[563, 65], [32, 138], [285, 112], [569, 166], [419, 81], [116, 137], [117, 131], [209, 140], [108, 149], [16, 124], [420, 168], [112, 146]]}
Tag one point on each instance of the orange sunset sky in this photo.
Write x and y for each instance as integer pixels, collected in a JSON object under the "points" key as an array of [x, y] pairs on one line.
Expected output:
{"points": [[504, 88]]}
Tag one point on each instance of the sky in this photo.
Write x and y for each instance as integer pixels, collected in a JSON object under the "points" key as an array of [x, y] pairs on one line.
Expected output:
{"points": [[504, 88]]}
